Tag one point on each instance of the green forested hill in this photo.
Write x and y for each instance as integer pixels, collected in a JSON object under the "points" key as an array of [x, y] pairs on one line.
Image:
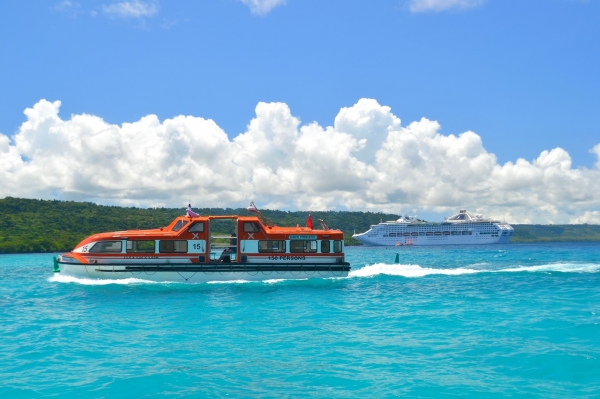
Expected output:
{"points": [[28, 225], [555, 233]]}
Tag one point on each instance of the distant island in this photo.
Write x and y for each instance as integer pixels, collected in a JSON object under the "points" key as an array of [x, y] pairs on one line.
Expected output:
{"points": [[29, 225]]}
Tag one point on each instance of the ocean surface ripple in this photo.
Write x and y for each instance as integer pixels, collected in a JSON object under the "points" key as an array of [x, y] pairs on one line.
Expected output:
{"points": [[481, 321]]}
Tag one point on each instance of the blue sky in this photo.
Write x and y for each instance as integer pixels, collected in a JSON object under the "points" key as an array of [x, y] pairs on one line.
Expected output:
{"points": [[523, 75]]}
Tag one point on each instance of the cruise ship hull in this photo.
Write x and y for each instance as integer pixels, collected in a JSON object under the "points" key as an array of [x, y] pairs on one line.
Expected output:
{"points": [[431, 240], [460, 229]]}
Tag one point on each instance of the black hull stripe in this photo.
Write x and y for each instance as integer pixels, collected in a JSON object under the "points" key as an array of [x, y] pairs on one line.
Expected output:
{"points": [[222, 268], [232, 269]]}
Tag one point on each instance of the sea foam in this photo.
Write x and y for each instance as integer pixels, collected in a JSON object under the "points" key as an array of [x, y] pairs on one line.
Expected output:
{"points": [[406, 271], [565, 267], [402, 270], [63, 278], [412, 271]]}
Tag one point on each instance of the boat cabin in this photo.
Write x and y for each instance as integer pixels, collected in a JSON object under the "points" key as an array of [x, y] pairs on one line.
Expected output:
{"points": [[192, 239]]}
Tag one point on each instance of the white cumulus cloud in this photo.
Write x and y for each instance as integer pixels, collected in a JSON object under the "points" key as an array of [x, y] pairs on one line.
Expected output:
{"points": [[130, 9], [442, 5], [590, 217], [262, 7], [596, 150], [367, 161]]}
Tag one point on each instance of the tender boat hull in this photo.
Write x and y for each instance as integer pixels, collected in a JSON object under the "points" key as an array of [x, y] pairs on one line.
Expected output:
{"points": [[200, 273], [191, 249]]}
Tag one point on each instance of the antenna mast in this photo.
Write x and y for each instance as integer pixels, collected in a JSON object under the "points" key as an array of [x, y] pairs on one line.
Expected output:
{"points": [[252, 208]]}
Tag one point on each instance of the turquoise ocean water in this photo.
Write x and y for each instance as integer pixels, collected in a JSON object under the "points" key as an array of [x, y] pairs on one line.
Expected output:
{"points": [[481, 321]]}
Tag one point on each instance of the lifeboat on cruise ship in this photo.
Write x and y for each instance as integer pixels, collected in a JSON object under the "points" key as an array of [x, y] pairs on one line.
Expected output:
{"points": [[188, 250]]}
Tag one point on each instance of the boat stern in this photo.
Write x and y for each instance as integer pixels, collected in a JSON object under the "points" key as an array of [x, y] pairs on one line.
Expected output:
{"points": [[70, 263], [506, 233]]}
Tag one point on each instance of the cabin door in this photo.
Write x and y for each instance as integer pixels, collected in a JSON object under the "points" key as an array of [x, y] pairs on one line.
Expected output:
{"points": [[222, 243]]}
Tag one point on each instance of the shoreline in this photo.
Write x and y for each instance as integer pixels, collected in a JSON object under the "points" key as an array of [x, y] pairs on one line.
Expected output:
{"points": [[29, 226], [383, 246]]}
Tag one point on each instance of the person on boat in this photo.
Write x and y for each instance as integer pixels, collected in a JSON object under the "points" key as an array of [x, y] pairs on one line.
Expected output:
{"points": [[231, 249]]}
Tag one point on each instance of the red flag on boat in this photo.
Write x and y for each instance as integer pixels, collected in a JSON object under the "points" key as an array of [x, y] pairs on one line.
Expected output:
{"points": [[252, 208], [309, 221]]}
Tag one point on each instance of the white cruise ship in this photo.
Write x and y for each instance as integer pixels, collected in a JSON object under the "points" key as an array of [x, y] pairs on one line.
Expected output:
{"points": [[461, 228]]}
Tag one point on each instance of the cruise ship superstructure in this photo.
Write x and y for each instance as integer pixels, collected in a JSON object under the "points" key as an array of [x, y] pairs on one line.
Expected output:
{"points": [[462, 228]]}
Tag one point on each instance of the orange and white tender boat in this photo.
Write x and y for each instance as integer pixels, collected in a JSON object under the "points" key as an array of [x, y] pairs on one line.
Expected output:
{"points": [[185, 251]]}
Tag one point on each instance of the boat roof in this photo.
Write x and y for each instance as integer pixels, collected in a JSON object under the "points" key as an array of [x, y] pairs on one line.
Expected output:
{"points": [[168, 231]]}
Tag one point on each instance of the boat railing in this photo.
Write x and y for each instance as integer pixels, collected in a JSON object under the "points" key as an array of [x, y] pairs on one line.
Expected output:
{"points": [[221, 245], [221, 236]]}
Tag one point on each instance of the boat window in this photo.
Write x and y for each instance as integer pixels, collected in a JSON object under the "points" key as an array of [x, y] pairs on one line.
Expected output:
{"points": [[325, 246], [107, 246], [141, 246], [337, 246], [271, 246], [196, 228], [251, 228], [303, 246], [173, 246], [179, 225]]}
